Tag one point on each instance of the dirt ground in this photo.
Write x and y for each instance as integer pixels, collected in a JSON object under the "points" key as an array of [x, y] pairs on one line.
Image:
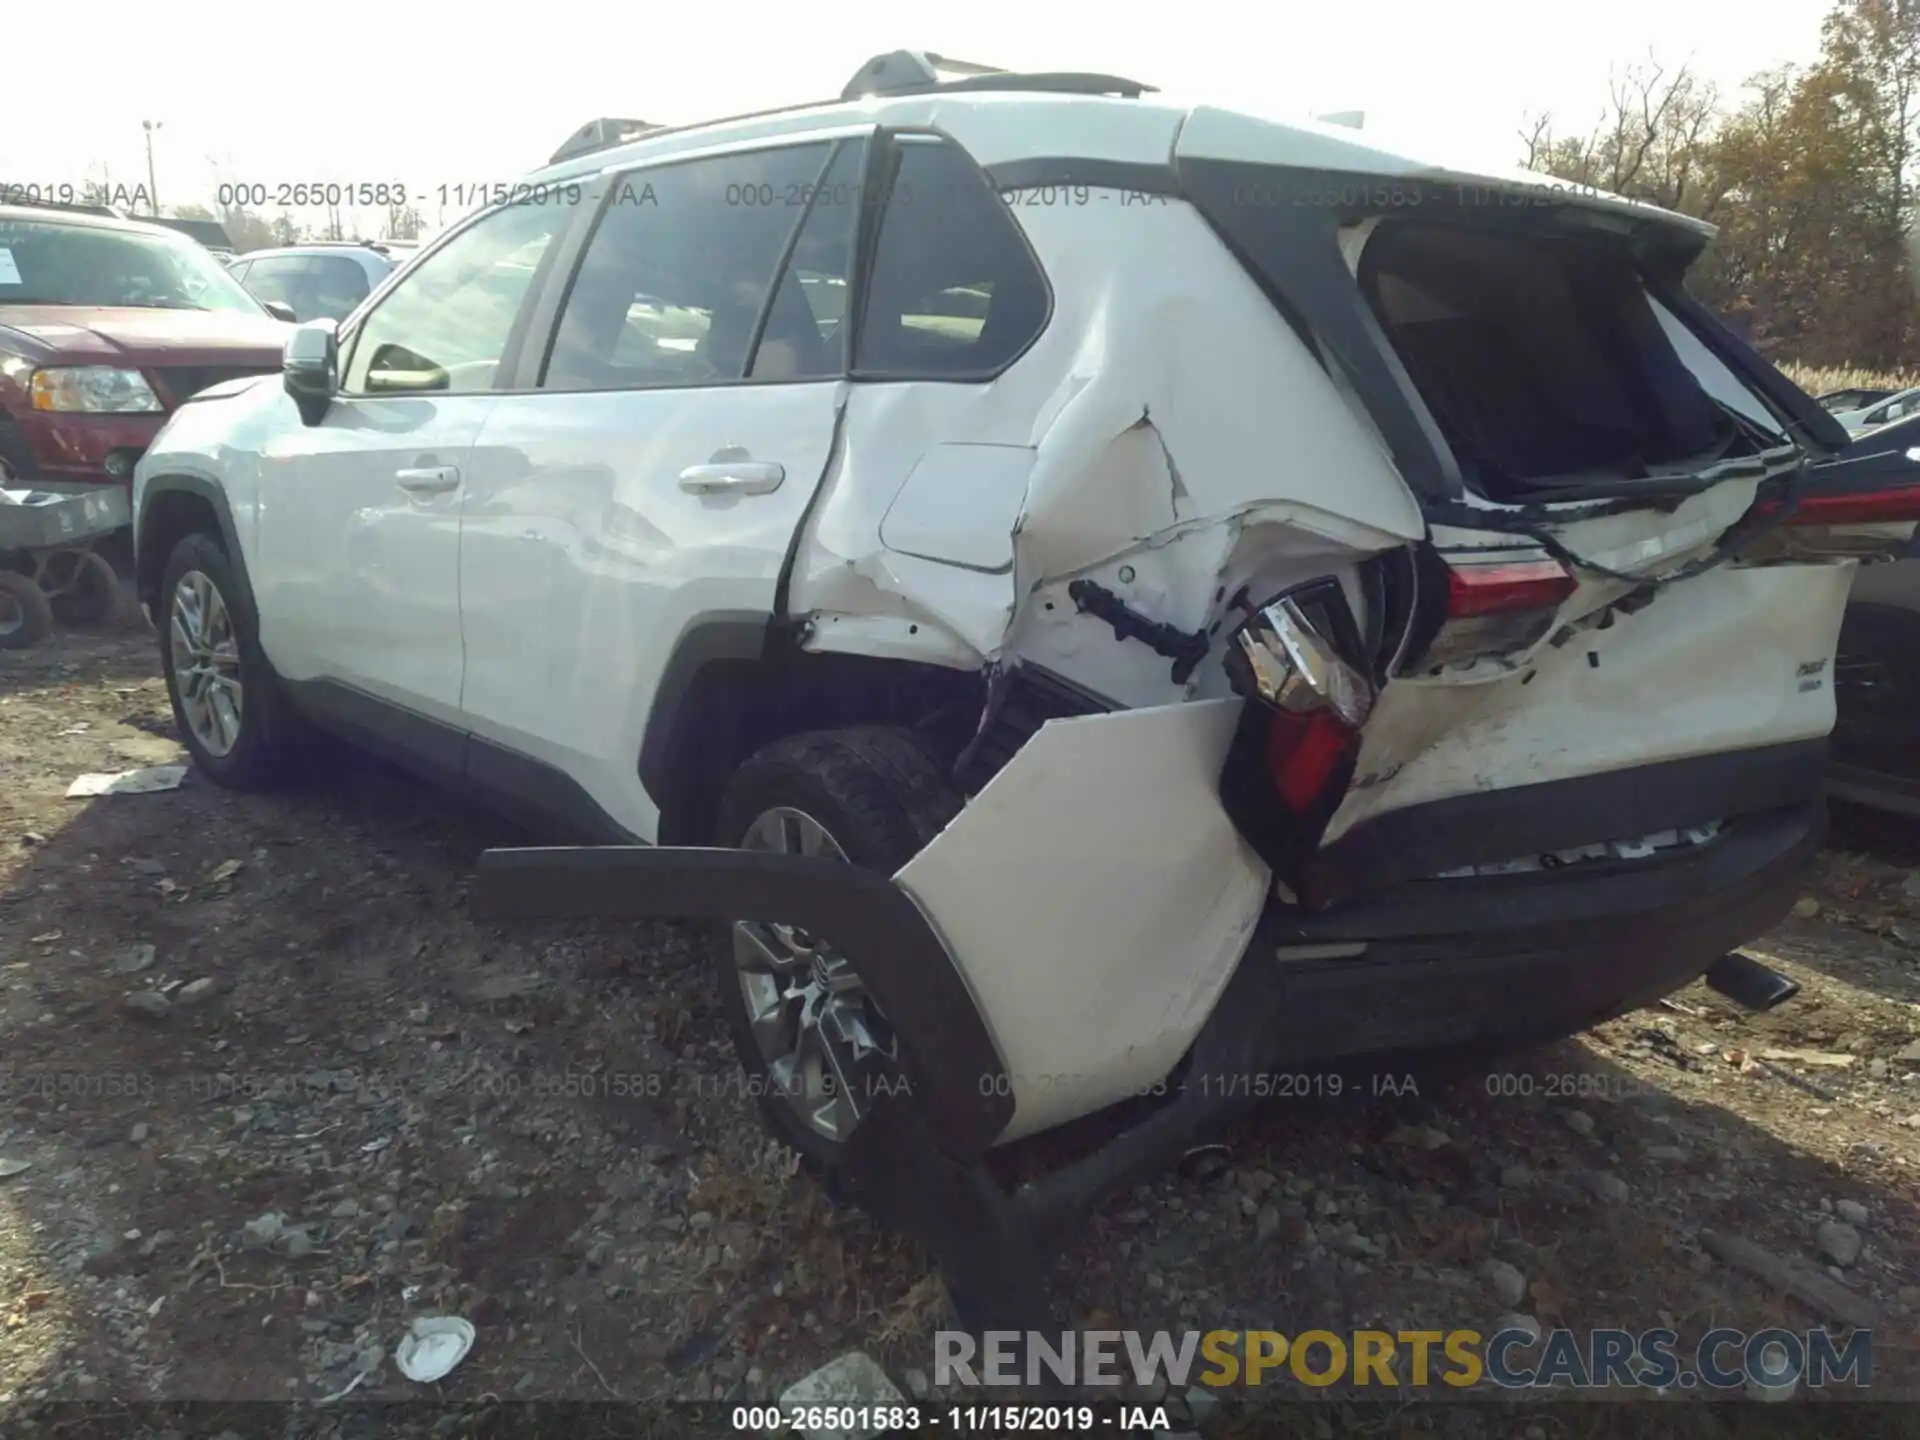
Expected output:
{"points": [[338, 1102]]}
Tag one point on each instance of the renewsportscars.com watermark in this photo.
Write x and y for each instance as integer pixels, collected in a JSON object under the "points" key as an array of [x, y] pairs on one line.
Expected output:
{"points": [[1508, 1359]]}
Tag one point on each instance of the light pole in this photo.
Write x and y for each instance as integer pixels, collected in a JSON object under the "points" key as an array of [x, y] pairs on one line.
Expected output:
{"points": [[153, 185]]}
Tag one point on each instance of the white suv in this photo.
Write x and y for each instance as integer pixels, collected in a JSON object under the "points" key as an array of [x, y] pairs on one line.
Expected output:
{"points": [[1264, 600]]}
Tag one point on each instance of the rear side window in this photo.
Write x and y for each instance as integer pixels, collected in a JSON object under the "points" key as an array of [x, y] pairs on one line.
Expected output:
{"points": [[955, 293], [677, 273]]}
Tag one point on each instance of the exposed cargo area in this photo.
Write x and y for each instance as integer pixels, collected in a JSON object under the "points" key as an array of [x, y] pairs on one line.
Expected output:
{"points": [[1541, 358]]}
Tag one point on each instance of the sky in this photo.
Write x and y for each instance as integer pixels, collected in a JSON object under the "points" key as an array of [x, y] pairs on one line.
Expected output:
{"points": [[272, 94]]}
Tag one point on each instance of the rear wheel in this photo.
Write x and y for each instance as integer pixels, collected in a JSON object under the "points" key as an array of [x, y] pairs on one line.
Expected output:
{"points": [[226, 698], [26, 617], [813, 1045]]}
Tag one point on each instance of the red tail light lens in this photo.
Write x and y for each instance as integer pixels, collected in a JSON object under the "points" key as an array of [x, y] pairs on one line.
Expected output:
{"points": [[1495, 607], [1305, 753], [1503, 589], [1870, 507]]}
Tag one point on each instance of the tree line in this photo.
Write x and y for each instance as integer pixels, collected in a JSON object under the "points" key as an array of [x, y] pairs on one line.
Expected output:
{"points": [[1810, 176]]}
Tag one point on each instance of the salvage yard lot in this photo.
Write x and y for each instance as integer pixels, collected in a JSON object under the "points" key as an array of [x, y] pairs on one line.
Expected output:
{"points": [[356, 1105]]}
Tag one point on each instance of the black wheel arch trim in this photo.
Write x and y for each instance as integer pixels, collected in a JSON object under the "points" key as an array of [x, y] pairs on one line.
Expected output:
{"points": [[955, 1071], [717, 638], [148, 567]]}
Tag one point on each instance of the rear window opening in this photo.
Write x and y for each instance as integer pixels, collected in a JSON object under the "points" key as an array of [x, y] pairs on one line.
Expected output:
{"points": [[1542, 360]]}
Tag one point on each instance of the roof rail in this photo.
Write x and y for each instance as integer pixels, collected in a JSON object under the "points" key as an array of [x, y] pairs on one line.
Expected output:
{"points": [[600, 134], [911, 72], [899, 72], [34, 202]]}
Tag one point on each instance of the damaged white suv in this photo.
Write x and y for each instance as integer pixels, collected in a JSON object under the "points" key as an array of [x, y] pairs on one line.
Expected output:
{"points": [[1241, 599]]}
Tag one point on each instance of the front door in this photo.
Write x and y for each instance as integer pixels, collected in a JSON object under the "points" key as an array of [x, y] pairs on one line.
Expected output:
{"points": [[358, 555]]}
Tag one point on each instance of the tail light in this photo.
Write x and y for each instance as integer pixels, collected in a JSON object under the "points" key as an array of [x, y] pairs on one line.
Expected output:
{"points": [[1866, 507], [1299, 736], [1866, 524], [1495, 606]]}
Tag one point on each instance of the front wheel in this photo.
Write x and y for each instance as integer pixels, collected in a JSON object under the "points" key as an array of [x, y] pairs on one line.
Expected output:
{"points": [[226, 698], [813, 1047]]}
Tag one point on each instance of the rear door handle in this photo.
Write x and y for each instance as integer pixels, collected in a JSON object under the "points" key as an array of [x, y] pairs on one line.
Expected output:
{"points": [[430, 480], [735, 477]]}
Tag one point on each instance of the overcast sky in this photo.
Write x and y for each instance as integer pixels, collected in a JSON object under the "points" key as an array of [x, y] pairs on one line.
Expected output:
{"points": [[270, 93]]}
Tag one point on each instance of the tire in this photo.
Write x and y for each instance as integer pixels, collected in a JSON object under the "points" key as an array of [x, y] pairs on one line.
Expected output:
{"points": [[262, 727], [880, 796], [93, 595], [26, 617]]}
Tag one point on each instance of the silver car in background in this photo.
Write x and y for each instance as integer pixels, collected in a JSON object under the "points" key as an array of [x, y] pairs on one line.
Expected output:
{"points": [[317, 281]]}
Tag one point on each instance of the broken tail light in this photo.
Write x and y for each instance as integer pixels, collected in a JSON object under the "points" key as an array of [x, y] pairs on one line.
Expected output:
{"points": [[1293, 755], [1495, 607], [1866, 507], [1867, 524]]}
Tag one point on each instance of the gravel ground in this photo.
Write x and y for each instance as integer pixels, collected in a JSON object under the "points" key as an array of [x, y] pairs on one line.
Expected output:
{"points": [[270, 1093]]}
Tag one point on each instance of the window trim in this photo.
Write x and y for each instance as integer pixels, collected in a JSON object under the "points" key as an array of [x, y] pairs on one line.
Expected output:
{"points": [[528, 379], [512, 347], [889, 149]]}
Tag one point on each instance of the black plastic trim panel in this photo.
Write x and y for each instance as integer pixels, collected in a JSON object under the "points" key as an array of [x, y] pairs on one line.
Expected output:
{"points": [[952, 1064], [1488, 826]]}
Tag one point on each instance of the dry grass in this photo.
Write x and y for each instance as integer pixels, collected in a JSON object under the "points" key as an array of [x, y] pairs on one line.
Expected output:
{"points": [[1823, 380]]}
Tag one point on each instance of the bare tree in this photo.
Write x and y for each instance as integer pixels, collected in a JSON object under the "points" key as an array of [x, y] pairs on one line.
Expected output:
{"points": [[1646, 143]]}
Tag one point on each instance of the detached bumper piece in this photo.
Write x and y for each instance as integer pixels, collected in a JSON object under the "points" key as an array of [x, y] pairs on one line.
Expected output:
{"points": [[916, 1162]]}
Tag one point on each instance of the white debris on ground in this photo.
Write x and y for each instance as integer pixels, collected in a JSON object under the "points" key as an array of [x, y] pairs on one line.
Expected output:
{"points": [[128, 782], [433, 1347]]}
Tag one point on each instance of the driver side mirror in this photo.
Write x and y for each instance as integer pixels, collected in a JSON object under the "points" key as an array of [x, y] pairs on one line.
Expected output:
{"points": [[310, 368]]}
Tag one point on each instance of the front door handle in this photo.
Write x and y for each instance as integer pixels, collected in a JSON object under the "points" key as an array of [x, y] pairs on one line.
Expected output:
{"points": [[429, 480], [733, 477]]}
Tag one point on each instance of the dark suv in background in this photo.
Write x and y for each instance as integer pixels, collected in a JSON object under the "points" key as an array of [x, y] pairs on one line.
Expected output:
{"points": [[106, 326]]}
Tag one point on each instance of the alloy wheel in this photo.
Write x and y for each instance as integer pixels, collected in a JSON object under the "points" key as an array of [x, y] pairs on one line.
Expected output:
{"points": [[816, 1027], [206, 662]]}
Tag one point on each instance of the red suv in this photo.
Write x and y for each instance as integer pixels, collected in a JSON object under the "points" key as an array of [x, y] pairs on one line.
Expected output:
{"points": [[106, 326]]}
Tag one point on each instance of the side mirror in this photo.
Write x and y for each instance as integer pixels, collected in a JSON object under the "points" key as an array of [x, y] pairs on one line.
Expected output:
{"points": [[310, 369], [280, 310]]}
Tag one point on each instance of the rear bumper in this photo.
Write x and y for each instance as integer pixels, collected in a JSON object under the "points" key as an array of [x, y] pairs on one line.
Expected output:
{"points": [[1432, 965], [1508, 960], [1485, 827], [1450, 967]]}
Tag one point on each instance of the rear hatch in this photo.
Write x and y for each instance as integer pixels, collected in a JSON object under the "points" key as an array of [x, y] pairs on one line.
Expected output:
{"points": [[1627, 563]]}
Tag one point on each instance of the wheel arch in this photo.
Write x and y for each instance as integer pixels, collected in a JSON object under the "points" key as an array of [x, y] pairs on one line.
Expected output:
{"points": [[735, 683], [171, 508]]}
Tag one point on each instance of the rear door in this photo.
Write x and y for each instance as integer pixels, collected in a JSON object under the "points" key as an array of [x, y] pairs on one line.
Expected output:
{"points": [[656, 458]]}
